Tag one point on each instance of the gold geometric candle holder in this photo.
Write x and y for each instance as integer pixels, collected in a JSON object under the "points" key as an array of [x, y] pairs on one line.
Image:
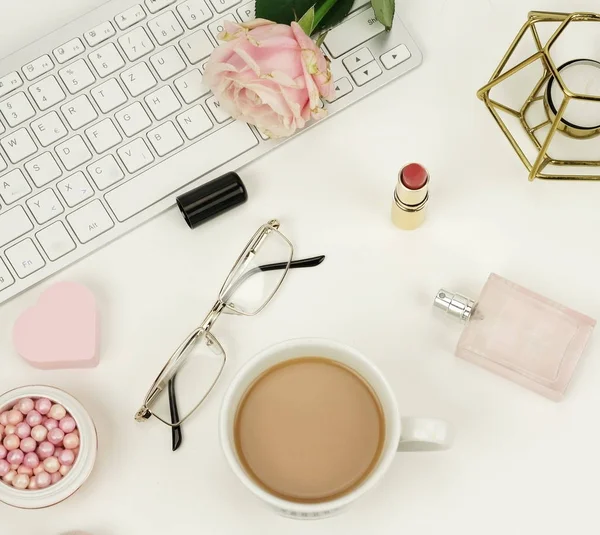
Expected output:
{"points": [[545, 95]]}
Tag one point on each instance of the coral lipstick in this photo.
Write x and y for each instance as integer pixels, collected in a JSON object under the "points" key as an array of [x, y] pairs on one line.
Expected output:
{"points": [[411, 197]]}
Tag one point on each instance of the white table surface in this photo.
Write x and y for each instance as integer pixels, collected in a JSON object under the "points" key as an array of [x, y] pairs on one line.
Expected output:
{"points": [[520, 464]]}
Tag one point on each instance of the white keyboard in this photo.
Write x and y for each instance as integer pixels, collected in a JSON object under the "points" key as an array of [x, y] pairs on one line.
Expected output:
{"points": [[105, 121]]}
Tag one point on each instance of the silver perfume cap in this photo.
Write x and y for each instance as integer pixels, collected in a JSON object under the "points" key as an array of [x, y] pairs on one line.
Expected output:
{"points": [[456, 306]]}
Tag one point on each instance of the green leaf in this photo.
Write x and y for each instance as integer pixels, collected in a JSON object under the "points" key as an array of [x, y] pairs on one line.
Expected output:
{"points": [[307, 22], [384, 11], [335, 15], [282, 11]]}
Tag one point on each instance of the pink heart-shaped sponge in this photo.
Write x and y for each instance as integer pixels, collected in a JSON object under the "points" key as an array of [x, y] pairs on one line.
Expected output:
{"points": [[61, 331]]}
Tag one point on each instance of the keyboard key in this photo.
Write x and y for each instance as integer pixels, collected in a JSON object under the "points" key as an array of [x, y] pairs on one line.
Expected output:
{"points": [[9, 83], [75, 189], [353, 32], [165, 28], [367, 73], [246, 12], [162, 103], [73, 152], [138, 79], [16, 109], [165, 138], [105, 172], [223, 5], [36, 68], [149, 187], [77, 76], [357, 59], [109, 95], [218, 25], [167, 63], [194, 122], [154, 6], [130, 17], [43, 169], [14, 186], [196, 47], [25, 258], [219, 114], [90, 221], [190, 86], [49, 129], [342, 88], [18, 145], [136, 155], [13, 224], [56, 241], [103, 136], [194, 13], [79, 112], [133, 119], [395, 57], [100, 33], [47, 93], [69, 50], [6, 279], [136, 44], [45, 206], [3, 164], [106, 60]]}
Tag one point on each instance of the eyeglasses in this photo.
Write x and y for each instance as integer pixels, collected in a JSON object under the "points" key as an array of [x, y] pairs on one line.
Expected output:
{"points": [[192, 372]]}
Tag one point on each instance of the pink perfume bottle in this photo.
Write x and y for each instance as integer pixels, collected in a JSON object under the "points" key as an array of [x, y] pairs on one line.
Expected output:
{"points": [[519, 335]]}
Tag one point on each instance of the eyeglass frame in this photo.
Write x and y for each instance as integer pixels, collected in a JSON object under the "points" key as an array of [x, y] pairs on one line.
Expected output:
{"points": [[220, 306]]}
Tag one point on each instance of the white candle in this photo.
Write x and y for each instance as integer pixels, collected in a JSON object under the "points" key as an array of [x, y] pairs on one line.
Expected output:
{"points": [[583, 77]]}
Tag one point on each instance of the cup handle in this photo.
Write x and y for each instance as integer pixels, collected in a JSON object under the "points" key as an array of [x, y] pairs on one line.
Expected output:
{"points": [[425, 434]]}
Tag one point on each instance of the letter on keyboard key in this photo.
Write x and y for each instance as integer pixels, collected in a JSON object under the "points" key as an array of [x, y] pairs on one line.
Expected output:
{"points": [[133, 119], [154, 6], [167, 63], [56, 240], [162, 103], [49, 129], [190, 86], [165, 138], [18, 145], [219, 113], [16, 109], [6, 279], [103, 136], [150, 187], [14, 186], [47, 93], [223, 5], [194, 122], [45, 206], [196, 47], [218, 25], [13, 224], [25, 258], [138, 79], [246, 12], [90, 221], [100, 33], [136, 155], [73, 152], [43, 169], [105, 172], [130, 17], [109, 95], [194, 13], [353, 32], [79, 112], [75, 189], [38, 67], [9, 83]]}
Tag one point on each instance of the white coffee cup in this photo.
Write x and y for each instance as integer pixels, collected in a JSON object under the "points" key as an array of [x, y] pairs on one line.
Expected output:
{"points": [[402, 433]]}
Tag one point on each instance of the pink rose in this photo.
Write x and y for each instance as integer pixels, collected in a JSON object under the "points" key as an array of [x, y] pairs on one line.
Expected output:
{"points": [[270, 75]]}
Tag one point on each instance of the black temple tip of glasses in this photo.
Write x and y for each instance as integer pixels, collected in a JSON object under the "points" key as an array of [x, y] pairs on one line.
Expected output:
{"points": [[176, 434]]}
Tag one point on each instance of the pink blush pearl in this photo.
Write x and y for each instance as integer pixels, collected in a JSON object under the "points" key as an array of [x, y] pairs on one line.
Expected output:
{"points": [[56, 477], [56, 436], [43, 480], [43, 405], [32, 484], [10, 429], [38, 469], [64, 470], [34, 418], [25, 470], [4, 468], [26, 405], [50, 424], [10, 477], [67, 457], [4, 418], [15, 417], [51, 465], [39, 433], [71, 441], [28, 445], [31, 460], [11, 442], [15, 457], [45, 450], [57, 412], [23, 430], [67, 424], [3, 452], [21, 481]]}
